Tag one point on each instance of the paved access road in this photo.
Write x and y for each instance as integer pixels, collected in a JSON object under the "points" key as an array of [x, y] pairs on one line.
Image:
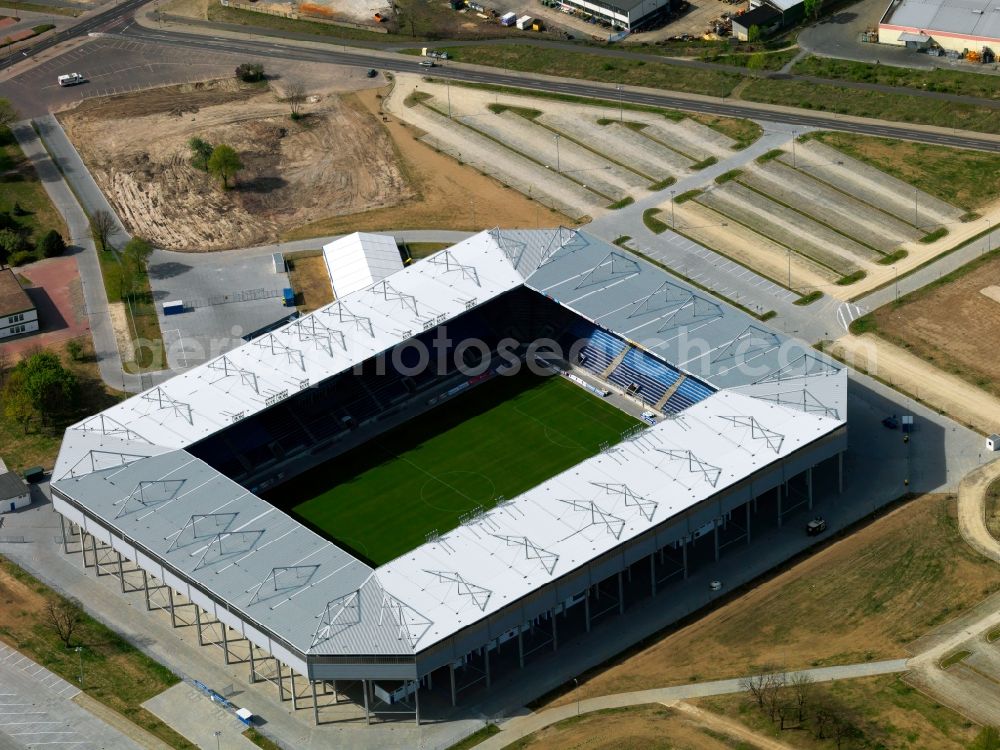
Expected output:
{"points": [[454, 71]]}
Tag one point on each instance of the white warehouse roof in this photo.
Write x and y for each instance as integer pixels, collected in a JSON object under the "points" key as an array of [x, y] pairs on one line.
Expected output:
{"points": [[360, 260]]}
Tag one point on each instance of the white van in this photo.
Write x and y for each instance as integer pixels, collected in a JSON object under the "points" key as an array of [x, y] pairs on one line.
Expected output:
{"points": [[71, 79]]}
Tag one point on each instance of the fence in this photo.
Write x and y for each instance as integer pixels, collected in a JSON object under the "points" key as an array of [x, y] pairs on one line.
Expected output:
{"points": [[246, 295]]}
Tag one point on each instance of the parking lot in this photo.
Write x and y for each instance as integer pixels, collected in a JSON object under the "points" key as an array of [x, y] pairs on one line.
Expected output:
{"points": [[37, 710]]}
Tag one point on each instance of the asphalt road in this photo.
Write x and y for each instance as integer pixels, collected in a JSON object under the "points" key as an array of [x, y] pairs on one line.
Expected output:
{"points": [[364, 58], [108, 18]]}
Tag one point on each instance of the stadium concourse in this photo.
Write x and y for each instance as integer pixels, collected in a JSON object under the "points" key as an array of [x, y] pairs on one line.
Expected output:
{"points": [[169, 480]]}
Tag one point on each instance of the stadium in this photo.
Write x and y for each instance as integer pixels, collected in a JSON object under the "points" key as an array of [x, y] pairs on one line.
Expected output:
{"points": [[437, 478]]}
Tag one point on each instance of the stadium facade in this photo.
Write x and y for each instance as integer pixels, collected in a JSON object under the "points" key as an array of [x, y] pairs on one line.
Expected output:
{"points": [[168, 482]]}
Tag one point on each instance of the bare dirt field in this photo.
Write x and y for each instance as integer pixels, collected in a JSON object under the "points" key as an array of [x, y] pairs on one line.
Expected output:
{"points": [[447, 195], [864, 597], [914, 374], [338, 160], [953, 325], [311, 281]]}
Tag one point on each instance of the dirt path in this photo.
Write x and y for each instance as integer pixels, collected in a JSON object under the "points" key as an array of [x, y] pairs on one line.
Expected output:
{"points": [[947, 393], [728, 727], [972, 510]]}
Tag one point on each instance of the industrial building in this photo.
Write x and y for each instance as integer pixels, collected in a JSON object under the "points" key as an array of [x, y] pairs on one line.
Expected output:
{"points": [[14, 491], [952, 25], [167, 483], [18, 315], [627, 15]]}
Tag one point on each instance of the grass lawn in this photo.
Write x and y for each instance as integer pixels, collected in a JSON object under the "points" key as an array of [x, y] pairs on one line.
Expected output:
{"points": [[500, 439], [651, 726], [939, 79], [20, 184], [863, 598], [115, 672], [418, 250], [39, 446], [630, 72], [754, 60], [961, 177], [889, 713], [862, 103], [309, 278], [144, 325]]}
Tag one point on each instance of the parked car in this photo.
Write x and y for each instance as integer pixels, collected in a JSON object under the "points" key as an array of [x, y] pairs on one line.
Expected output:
{"points": [[428, 63], [71, 79], [372, 72], [816, 526]]}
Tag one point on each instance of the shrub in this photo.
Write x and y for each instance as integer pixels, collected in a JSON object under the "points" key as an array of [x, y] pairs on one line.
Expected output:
{"points": [[250, 72], [75, 350], [21, 257], [52, 244]]}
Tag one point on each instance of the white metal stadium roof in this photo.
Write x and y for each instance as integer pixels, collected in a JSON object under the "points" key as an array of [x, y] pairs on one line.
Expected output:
{"points": [[128, 467], [359, 260]]}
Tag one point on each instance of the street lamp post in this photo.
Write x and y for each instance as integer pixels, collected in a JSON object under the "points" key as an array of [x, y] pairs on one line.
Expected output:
{"points": [[557, 153], [218, 742], [916, 218], [895, 281], [620, 105], [673, 222], [794, 163], [789, 250], [79, 651], [576, 684]]}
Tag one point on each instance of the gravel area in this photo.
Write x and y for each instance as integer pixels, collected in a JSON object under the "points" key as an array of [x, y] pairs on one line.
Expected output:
{"points": [[493, 159], [872, 186], [749, 248], [522, 136], [842, 212], [622, 144], [786, 227]]}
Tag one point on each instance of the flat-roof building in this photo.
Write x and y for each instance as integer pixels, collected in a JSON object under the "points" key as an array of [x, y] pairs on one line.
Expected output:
{"points": [[954, 25]]}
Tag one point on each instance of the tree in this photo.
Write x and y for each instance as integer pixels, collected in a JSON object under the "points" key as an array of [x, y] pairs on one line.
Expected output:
{"points": [[11, 241], [802, 688], [812, 8], [224, 163], [753, 34], [135, 255], [200, 152], [63, 616], [756, 61], [754, 684], [8, 115], [51, 388], [296, 97], [17, 406], [250, 72], [987, 739], [774, 686], [52, 244], [103, 226]]}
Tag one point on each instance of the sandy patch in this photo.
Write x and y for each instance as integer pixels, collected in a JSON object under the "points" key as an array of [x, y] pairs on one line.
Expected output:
{"points": [[123, 334], [992, 292]]}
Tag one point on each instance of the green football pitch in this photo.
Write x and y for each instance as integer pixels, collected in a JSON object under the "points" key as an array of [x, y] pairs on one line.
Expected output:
{"points": [[498, 440]]}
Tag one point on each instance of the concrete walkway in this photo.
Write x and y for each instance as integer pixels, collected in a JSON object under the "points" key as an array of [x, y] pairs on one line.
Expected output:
{"points": [[972, 510], [81, 242], [521, 726]]}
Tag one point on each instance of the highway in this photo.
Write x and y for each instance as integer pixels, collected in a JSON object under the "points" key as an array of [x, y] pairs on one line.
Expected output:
{"points": [[405, 64]]}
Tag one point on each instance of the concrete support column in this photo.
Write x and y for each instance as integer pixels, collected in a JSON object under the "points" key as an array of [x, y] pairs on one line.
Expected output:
{"points": [[652, 573], [62, 526], [253, 671], [121, 570], [454, 694], [170, 598], [715, 536], [93, 549], [486, 662], [364, 686], [295, 696], [748, 523], [586, 608], [416, 703], [225, 643], [621, 594], [145, 588], [197, 623], [520, 647], [809, 480], [281, 685], [83, 548], [779, 506], [312, 683]]}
